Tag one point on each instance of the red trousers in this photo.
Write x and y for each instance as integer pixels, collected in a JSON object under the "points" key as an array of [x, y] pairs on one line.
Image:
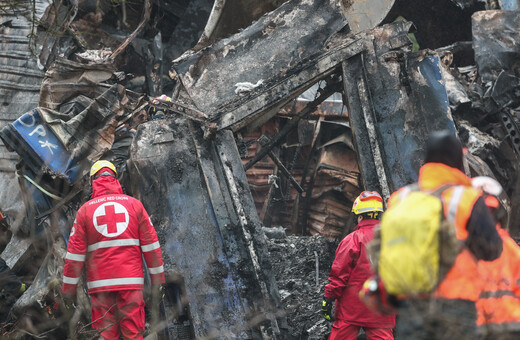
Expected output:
{"points": [[342, 330], [120, 312]]}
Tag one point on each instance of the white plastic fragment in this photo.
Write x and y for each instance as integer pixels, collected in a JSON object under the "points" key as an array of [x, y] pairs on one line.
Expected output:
{"points": [[245, 87]]}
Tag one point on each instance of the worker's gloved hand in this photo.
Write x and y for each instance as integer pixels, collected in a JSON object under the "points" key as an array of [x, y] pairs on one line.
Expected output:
{"points": [[326, 308], [159, 291], [69, 301]]}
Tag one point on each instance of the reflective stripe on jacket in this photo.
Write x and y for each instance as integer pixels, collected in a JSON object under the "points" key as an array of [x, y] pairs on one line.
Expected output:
{"points": [[111, 235], [498, 307]]}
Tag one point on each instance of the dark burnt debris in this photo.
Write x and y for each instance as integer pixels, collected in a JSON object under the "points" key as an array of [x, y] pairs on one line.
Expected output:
{"points": [[231, 121]]}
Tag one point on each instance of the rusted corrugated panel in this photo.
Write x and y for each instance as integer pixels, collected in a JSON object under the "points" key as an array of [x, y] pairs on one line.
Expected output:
{"points": [[328, 180], [338, 156], [328, 217], [335, 187], [336, 181]]}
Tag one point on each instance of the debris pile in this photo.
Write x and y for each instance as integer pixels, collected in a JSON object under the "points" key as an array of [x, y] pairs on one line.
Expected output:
{"points": [[222, 126], [301, 265]]}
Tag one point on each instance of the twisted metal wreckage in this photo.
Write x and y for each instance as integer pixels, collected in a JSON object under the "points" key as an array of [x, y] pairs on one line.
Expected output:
{"points": [[190, 160]]}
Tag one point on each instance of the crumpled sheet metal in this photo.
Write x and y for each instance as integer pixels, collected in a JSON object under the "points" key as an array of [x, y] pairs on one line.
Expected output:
{"points": [[47, 279], [81, 108], [496, 41], [20, 75], [20, 80], [457, 93], [395, 99], [270, 50], [39, 146], [198, 201]]}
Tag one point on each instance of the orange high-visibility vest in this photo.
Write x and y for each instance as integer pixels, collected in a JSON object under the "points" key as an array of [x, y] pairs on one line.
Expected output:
{"points": [[498, 307]]}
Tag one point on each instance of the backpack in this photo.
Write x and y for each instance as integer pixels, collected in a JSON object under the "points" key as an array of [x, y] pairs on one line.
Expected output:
{"points": [[415, 245]]}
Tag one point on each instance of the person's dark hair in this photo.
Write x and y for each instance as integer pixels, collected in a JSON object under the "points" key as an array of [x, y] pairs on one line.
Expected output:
{"points": [[444, 147]]}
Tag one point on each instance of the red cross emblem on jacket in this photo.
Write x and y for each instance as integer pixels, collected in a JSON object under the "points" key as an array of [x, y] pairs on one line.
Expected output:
{"points": [[110, 219]]}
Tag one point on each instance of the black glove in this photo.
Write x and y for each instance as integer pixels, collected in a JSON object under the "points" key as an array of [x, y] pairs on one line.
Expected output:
{"points": [[326, 308], [69, 302], [159, 291]]}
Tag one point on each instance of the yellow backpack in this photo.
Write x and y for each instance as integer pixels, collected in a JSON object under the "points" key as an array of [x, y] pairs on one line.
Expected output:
{"points": [[415, 245]]}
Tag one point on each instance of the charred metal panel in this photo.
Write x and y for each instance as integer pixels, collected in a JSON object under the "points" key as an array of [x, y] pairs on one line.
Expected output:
{"points": [[197, 196], [395, 98], [20, 74], [227, 17], [365, 14], [49, 277], [20, 80], [278, 57], [496, 37], [189, 28]]}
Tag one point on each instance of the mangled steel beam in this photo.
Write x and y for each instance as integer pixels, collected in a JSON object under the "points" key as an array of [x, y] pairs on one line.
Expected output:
{"points": [[229, 16], [196, 193], [276, 59], [245, 79], [395, 99]]}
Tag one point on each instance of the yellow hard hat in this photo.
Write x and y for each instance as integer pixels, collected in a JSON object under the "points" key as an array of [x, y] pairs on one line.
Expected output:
{"points": [[100, 165], [367, 201]]}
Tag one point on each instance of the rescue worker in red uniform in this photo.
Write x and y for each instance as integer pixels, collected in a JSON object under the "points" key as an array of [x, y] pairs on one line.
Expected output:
{"points": [[350, 269], [111, 235], [498, 307], [453, 315]]}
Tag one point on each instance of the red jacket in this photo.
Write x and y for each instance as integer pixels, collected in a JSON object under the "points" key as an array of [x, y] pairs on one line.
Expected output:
{"points": [[111, 234], [350, 269]]}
